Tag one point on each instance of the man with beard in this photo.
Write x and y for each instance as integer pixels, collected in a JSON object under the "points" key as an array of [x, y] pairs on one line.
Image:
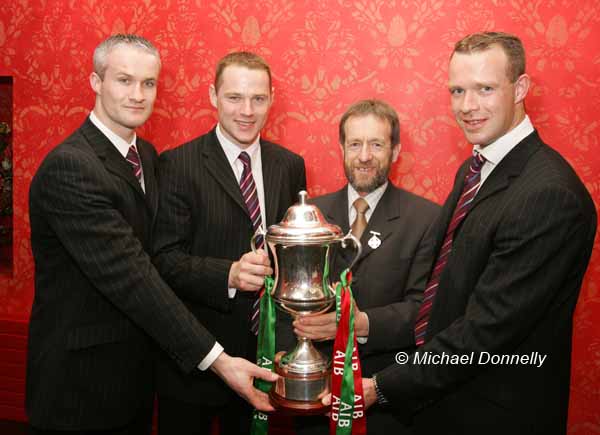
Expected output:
{"points": [[391, 223]]}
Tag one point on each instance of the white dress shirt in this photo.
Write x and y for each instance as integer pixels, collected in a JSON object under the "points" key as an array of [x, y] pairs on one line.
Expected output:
{"points": [[372, 199], [232, 152], [497, 150]]}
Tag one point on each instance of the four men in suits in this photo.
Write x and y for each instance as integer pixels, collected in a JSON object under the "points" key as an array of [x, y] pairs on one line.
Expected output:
{"points": [[389, 276], [508, 272], [99, 302], [502, 267], [216, 190]]}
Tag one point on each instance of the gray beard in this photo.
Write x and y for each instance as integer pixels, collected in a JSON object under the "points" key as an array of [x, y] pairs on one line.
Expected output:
{"points": [[378, 180]]}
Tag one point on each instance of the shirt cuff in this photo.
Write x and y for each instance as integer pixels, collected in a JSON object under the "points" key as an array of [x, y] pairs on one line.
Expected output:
{"points": [[364, 339], [211, 357], [231, 292]]}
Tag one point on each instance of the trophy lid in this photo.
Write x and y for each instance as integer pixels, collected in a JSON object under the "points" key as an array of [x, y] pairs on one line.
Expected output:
{"points": [[303, 224]]}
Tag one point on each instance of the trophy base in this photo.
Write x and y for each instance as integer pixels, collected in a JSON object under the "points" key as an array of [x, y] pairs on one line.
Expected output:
{"points": [[298, 393], [295, 407]]}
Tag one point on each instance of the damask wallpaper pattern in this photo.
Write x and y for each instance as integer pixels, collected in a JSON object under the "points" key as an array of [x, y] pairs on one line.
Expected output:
{"points": [[325, 54]]}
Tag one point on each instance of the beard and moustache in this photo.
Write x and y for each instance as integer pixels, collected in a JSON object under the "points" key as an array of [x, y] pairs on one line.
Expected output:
{"points": [[370, 184]]}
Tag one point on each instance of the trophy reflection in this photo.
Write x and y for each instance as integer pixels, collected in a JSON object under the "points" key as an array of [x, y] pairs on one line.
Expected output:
{"points": [[300, 245]]}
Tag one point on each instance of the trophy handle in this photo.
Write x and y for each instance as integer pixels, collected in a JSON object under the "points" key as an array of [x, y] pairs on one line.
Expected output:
{"points": [[356, 243], [260, 231]]}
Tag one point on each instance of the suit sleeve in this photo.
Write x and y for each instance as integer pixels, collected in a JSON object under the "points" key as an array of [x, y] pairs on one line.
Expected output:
{"points": [[199, 279], [391, 327], [541, 240], [72, 194]]}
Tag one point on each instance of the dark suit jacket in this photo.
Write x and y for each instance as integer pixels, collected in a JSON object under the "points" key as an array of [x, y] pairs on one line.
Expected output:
{"points": [[387, 282], [202, 227], [98, 299], [510, 287]]}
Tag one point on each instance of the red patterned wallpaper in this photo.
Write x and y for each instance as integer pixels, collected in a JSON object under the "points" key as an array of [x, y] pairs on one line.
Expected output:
{"points": [[325, 54]]}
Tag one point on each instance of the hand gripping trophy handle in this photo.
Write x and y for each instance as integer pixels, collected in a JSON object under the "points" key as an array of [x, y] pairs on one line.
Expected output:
{"points": [[357, 245], [260, 231]]}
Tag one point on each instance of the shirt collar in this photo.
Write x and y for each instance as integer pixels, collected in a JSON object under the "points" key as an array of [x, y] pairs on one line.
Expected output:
{"points": [[120, 144], [497, 150], [372, 198], [232, 151]]}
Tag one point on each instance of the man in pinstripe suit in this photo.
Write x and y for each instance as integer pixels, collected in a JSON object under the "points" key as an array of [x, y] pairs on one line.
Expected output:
{"points": [[99, 302], [508, 282], [203, 236]]}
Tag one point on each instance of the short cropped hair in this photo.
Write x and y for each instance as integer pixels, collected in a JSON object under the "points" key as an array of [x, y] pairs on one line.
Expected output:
{"points": [[378, 108], [105, 47], [245, 59], [510, 44]]}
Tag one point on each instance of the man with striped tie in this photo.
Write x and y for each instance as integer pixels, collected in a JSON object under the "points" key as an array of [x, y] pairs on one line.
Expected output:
{"points": [[513, 244], [216, 190], [100, 306]]}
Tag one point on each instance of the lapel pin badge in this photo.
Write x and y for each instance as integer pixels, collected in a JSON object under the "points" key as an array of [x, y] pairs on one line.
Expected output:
{"points": [[374, 242]]}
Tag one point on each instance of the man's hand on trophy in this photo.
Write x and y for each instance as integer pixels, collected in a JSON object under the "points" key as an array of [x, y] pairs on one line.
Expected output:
{"points": [[323, 326], [320, 327], [248, 274], [239, 374]]}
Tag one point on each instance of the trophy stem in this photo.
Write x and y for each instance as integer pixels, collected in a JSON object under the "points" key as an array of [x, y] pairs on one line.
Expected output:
{"points": [[305, 358]]}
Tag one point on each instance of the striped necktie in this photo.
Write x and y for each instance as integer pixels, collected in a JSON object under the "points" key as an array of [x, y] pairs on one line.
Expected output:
{"points": [[134, 160], [471, 184], [250, 195]]}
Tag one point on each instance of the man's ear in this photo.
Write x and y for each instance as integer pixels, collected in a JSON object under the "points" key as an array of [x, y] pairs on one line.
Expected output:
{"points": [[396, 152], [212, 94], [96, 83], [521, 88]]}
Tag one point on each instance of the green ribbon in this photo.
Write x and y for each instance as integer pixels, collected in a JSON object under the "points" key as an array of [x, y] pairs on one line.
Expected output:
{"points": [[346, 416], [265, 353]]}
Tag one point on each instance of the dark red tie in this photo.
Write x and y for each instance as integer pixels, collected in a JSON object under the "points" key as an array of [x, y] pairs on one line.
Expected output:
{"points": [[134, 160], [250, 195], [471, 185]]}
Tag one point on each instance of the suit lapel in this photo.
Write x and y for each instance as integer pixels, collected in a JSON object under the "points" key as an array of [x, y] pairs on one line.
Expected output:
{"points": [[338, 212], [113, 161], [218, 166], [509, 167], [272, 181], [385, 212]]}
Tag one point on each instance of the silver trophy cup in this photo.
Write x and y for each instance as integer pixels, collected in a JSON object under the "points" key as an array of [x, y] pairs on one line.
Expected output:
{"points": [[300, 245]]}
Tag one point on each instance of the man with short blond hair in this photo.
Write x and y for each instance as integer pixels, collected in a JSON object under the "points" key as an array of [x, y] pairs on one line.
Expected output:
{"points": [[217, 190], [99, 303], [512, 246]]}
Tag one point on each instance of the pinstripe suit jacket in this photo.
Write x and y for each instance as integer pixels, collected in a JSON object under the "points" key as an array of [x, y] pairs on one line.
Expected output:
{"points": [[203, 227], [510, 287], [98, 299]]}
